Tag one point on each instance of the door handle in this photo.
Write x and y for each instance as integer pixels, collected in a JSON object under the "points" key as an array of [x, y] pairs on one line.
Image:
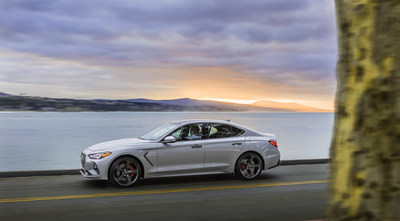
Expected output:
{"points": [[197, 146], [236, 144]]}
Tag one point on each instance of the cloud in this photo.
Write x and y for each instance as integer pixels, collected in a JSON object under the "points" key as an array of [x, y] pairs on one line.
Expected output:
{"points": [[286, 42]]}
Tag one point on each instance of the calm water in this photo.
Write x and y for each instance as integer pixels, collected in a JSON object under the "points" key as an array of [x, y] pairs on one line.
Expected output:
{"points": [[53, 140]]}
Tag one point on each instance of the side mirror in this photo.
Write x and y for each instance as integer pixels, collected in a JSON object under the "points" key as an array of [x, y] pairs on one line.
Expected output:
{"points": [[169, 139]]}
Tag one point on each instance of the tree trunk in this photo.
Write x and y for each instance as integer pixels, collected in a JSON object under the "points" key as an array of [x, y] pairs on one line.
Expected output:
{"points": [[365, 151]]}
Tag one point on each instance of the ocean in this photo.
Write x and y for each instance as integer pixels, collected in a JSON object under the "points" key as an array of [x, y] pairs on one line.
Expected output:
{"points": [[54, 140]]}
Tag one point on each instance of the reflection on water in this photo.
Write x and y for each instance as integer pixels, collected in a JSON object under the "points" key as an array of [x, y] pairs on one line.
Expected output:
{"points": [[54, 140]]}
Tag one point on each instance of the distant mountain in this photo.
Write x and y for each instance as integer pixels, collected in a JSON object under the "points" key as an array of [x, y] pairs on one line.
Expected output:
{"points": [[287, 106], [208, 103], [4, 94], [28, 103], [263, 105], [180, 101]]}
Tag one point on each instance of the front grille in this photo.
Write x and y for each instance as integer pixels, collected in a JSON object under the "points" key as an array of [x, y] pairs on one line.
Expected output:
{"points": [[83, 158]]}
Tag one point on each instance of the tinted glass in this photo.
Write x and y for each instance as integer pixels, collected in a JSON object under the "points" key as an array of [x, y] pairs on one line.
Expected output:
{"points": [[223, 130], [159, 131], [237, 131], [188, 132], [219, 131]]}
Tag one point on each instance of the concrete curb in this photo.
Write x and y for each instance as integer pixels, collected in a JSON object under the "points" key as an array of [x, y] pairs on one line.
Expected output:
{"points": [[10, 174], [299, 162]]}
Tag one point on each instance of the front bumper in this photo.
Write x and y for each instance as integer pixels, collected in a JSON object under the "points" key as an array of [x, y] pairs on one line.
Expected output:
{"points": [[93, 168], [90, 173]]}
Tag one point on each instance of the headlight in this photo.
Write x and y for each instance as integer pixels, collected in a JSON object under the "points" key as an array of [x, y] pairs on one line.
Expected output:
{"points": [[97, 156]]}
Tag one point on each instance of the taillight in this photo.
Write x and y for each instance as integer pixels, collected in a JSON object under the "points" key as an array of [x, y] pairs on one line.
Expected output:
{"points": [[273, 143]]}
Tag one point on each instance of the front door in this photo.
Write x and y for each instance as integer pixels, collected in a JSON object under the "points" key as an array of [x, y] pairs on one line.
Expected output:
{"points": [[186, 155]]}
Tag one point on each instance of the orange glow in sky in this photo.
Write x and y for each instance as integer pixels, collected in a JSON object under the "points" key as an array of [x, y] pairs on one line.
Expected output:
{"points": [[242, 52]]}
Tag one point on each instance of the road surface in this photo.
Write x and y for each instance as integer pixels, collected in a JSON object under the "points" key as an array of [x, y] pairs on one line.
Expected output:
{"points": [[283, 193]]}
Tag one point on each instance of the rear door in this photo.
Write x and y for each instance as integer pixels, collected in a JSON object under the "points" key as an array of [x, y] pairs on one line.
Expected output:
{"points": [[223, 144]]}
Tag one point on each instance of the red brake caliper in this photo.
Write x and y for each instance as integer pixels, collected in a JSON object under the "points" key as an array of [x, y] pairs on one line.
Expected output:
{"points": [[132, 169], [243, 166]]}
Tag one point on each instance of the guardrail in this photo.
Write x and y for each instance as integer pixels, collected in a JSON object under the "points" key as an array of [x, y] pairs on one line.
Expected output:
{"points": [[10, 174]]}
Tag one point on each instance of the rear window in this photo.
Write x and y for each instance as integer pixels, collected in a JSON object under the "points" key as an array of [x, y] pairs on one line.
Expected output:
{"points": [[223, 130], [236, 131]]}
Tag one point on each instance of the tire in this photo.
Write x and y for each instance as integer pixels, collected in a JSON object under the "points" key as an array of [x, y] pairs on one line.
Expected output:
{"points": [[249, 166], [124, 172]]}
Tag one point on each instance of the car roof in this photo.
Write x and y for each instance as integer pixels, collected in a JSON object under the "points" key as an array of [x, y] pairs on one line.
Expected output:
{"points": [[188, 121]]}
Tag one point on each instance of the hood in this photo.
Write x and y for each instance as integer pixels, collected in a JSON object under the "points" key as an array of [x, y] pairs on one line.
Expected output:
{"points": [[109, 145]]}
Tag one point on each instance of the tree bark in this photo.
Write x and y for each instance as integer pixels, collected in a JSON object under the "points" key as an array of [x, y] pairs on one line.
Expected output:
{"points": [[365, 150]]}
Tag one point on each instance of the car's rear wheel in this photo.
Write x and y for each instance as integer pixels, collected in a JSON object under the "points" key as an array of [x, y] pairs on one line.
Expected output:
{"points": [[124, 172], [249, 166]]}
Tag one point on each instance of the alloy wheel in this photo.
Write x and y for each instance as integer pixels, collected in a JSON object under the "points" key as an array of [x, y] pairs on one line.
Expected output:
{"points": [[125, 172], [249, 166]]}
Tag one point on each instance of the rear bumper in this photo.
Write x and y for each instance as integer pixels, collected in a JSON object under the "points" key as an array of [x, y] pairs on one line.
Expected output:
{"points": [[279, 162], [272, 160]]}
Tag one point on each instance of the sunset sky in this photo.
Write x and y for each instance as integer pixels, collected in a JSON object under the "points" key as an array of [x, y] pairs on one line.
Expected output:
{"points": [[232, 50]]}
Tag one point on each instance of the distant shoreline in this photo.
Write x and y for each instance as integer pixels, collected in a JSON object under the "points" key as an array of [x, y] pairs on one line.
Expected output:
{"points": [[272, 112], [10, 102]]}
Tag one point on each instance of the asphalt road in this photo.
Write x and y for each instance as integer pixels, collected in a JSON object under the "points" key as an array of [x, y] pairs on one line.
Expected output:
{"points": [[283, 193]]}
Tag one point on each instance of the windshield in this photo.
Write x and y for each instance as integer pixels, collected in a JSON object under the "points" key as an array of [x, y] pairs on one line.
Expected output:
{"points": [[159, 131]]}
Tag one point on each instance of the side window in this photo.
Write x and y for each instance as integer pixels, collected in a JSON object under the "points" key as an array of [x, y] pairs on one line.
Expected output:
{"points": [[219, 131], [222, 130], [177, 134], [188, 132], [237, 131]]}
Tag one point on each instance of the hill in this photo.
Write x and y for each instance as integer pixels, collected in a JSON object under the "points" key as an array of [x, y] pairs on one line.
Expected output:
{"points": [[287, 106], [29, 103]]}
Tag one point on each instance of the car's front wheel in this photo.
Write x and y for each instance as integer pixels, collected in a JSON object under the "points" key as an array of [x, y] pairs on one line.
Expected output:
{"points": [[124, 172], [249, 166]]}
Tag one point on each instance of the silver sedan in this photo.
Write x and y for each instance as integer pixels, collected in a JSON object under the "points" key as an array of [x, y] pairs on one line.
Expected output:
{"points": [[186, 147]]}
